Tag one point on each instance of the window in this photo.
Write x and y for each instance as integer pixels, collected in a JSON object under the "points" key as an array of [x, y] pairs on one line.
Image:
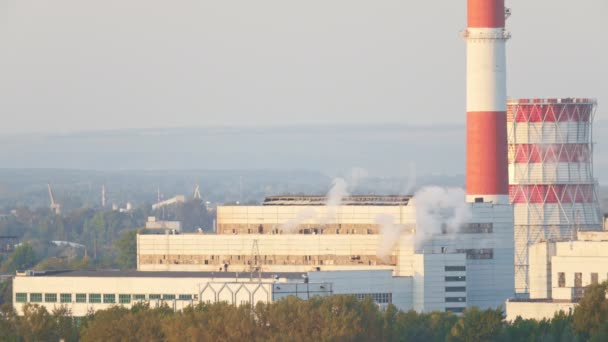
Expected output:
{"points": [[65, 297], [168, 297], [478, 254], [455, 299], [139, 297], [594, 278], [50, 297], [154, 296], [124, 298], [94, 298], [455, 289], [455, 278], [185, 297], [455, 310], [578, 279], [109, 298], [455, 268], [36, 297], [81, 298], [379, 298], [477, 228], [21, 297], [561, 279]]}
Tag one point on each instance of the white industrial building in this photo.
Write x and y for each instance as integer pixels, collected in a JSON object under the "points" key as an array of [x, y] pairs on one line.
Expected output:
{"points": [[560, 271], [443, 270], [470, 264]]}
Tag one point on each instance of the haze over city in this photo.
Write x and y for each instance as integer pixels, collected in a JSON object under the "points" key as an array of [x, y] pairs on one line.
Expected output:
{"points": [[69, 65]]}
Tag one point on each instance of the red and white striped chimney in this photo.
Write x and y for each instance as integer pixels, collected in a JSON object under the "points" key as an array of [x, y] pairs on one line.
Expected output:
{"points": [[487, 176]]}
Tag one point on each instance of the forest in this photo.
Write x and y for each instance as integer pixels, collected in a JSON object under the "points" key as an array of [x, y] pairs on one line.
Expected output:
{"points": [[86, 237], [333, 318]]}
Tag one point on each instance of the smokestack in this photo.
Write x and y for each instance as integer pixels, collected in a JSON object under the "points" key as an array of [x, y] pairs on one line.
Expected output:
{"points": [[487, 175]]}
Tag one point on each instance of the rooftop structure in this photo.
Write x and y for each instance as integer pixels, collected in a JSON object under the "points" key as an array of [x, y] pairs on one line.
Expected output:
{"points": [[348, 200]]}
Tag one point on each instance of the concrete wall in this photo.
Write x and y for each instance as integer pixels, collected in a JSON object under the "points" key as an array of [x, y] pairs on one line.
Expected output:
{"points": [[237, 291], [490, 281], [369, 283], [107, 285], [536, 310], [432, 286], [540, 269]]}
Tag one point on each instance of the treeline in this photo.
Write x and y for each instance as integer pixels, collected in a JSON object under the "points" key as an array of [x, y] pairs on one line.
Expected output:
{"points": [[103, 234], [334, 318]]}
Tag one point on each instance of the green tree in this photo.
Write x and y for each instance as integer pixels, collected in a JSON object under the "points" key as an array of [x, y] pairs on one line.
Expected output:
{"points": [[592, 311], [37, 324], [126, 249], [477, 326], [23, 257], [9, 329]]}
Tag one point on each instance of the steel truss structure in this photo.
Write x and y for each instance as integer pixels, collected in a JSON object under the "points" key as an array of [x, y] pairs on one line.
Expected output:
{"points": [[551, 183]]}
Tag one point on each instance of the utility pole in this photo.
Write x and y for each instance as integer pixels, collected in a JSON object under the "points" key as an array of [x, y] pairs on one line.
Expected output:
{"points": [[103, 196]]}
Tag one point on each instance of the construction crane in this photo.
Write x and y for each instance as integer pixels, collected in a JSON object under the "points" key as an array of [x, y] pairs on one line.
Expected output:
{"points": [[55, 207], [197, 192], [170, 201]]}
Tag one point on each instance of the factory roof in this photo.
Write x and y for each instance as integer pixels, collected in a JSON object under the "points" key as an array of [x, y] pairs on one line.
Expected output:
{"points": [[161, 274], [348, 200]]}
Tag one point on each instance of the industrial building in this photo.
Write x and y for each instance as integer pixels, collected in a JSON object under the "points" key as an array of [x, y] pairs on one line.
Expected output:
{"points": [[85, 291], [304, 237], [559, 273], [551, 183], [414, 252]]}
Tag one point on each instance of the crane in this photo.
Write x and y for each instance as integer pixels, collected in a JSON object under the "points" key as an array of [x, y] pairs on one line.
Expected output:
{"points": [[55, 207], [197, 192]]}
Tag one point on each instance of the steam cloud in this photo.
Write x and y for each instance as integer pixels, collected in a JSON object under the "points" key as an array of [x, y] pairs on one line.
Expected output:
{"points": [[390, 233], [439, 211]]}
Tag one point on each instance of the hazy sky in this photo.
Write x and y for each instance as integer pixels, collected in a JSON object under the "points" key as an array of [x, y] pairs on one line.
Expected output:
{"points": [[68, 65]]}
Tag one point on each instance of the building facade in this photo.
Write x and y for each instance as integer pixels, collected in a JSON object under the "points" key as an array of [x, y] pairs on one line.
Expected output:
{"points": [[560, 272]]}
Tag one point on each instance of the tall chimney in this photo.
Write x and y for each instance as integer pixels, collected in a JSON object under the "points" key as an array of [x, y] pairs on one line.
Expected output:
{"points": [[487, 176]]}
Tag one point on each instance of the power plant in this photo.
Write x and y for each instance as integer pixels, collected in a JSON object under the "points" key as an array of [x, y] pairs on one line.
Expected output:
{"points": [[528, 178]]}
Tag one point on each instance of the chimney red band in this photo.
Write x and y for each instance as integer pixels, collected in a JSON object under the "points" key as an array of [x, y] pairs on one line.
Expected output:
{"points": [[487, 173], [486, 13]]}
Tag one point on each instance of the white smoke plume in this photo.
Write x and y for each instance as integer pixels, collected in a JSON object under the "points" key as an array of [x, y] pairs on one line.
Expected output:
{"points": [[354, 178], [339, 190], [390, 234], [411, 180], [334, 197], [303, 216], [439, 211]]}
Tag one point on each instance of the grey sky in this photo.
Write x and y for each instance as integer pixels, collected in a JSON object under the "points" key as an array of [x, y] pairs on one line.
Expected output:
{"points": [[69, 65]]}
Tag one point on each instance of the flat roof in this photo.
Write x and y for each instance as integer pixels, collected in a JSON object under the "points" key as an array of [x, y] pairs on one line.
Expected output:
{"points": [[165, 274], [348, 200]]}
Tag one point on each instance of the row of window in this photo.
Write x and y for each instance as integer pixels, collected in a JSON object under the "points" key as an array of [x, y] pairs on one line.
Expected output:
{"points": [[455, 289], [455, 278], [107, 298], [482, 253], [477, 228], [455, 268], [455, 310], [379, 298], [578, 279], [455, 299]]}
